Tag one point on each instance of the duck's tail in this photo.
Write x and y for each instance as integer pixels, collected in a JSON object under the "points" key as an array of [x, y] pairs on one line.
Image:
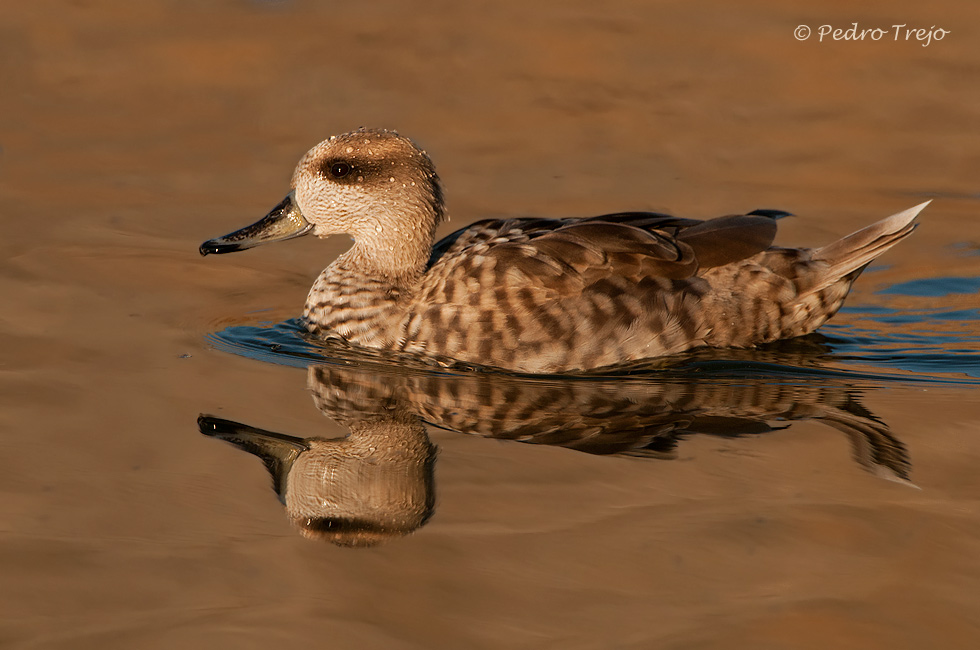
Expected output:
{"points": [[848, 256]]}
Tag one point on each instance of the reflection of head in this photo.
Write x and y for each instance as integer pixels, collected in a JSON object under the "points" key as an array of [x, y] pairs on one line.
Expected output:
{"points": [[361, 490], [364, 489]]}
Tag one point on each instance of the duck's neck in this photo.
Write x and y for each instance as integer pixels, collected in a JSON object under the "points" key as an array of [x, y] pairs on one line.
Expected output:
{"points": [[363, 294], [394, 245], [398, 263]]}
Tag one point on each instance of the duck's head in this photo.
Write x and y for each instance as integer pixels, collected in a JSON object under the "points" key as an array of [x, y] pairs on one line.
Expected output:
{"points": [[371, 184]]}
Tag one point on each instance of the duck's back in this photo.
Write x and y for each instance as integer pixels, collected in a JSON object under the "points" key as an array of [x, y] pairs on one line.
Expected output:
{"points": [[540, 295]]}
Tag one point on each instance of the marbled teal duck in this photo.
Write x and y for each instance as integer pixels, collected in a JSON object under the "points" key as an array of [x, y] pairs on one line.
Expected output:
{"points": [[544, 295]]}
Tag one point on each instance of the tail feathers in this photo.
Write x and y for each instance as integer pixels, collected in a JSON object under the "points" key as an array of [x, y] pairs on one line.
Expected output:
{"points": [[852, 253]]}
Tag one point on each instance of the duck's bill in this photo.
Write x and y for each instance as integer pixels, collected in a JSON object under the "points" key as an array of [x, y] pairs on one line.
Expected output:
{"points": [[284, 222]]}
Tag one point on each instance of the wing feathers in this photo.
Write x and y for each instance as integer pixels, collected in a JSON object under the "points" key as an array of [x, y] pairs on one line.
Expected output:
{"points": [[729, 239], [630, 244]]}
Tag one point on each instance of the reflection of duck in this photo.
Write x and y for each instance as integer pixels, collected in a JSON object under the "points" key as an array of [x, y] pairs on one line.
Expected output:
{"points": [[377, 482], [544, 295], [356, 491]]}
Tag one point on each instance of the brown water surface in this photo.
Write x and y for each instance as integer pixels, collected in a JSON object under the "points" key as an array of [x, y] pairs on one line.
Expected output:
{"points": [[718, 507]]}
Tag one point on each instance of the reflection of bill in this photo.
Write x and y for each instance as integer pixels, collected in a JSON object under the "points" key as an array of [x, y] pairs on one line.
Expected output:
{"points": [[377, 483]]}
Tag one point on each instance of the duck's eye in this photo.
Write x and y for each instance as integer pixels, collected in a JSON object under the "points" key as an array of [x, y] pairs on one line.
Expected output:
{"points": [[340, 169]]}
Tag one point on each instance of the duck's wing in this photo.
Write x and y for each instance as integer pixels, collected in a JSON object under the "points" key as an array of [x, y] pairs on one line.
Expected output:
{"points": [[500, 231], [635, 247], [730, 239], [656, 239], [581, 252]]}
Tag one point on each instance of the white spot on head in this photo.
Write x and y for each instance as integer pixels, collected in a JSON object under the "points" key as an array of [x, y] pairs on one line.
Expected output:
{"points": [[350, 150], [360, 179], [378, 228], [391, 179]]}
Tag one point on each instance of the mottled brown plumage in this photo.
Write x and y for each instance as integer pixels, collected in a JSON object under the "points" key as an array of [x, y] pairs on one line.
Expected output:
{"points": [[544, 295]]}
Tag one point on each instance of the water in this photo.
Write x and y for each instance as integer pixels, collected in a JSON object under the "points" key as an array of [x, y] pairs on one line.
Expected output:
{"points": [[817, 493]]}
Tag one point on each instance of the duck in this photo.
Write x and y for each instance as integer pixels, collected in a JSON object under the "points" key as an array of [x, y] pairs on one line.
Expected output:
{"points": [[544, 295]]}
